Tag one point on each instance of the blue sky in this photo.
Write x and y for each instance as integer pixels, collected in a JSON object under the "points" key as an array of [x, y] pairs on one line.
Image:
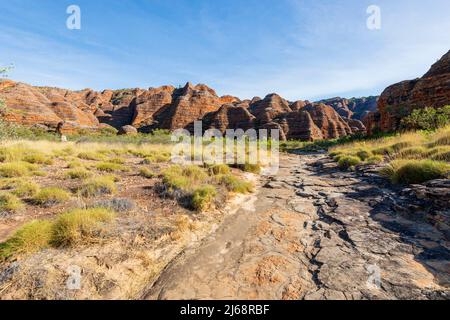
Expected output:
{"points": [[301, 49]]}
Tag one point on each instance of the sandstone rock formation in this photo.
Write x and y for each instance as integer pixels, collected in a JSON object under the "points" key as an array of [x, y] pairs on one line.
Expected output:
{"points": [[190, 104], [29, 105], [230, 116], [398, 100], [354, 108], [299, 120], [170, 108]]}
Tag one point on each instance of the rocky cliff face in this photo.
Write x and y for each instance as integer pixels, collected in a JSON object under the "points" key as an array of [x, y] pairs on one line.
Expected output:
{"points": [[299, 120], [171, 108], [354, 108], [398, 100], [50, 107]]}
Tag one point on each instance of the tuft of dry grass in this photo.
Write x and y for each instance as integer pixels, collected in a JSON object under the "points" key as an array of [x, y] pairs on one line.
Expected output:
{"points": [[249, 167], [70, 228], [147, 173], [347, 162], [91, 155], [203, 197], [10, 203], [14, 169], [110, 167], [30, 238], [425, 152], [20, 187], [235, 184], [78, 173], [415, 171], [80, 225], [98, 186], [219, 169], [51, 196], [184, 178]]}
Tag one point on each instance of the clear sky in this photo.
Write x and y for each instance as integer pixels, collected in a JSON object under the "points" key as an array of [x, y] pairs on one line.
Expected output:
{"points": [[301, 49]]}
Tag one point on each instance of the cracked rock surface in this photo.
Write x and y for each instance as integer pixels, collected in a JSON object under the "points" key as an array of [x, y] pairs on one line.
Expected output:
{"points": [[315, 232]]}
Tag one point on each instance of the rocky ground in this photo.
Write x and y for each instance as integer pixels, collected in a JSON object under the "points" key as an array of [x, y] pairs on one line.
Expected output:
{"points": [[314, 232]]}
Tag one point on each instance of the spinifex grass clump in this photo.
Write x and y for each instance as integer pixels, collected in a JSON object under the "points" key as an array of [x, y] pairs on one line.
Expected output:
{"points": [[30, 238], [51, 196], [9, 203], [347, 162], [412, 157], [203, 197], [71, 228], [78, 173], [190, 182], [92, 156], [110, 167], [98, 186], [235, 184], [415, 171], [184, 178], [80, 225], [14, 169], [146, 173], [250, 167], [20, 187], [38, 158], [219, 169]]}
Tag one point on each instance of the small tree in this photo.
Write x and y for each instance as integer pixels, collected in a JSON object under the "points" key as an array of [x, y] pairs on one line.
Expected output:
{"points": [[427, 119]]}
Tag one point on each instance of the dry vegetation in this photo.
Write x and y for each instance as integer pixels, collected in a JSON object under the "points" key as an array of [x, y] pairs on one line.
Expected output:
{"points": [[119, 211], [410, 158]]}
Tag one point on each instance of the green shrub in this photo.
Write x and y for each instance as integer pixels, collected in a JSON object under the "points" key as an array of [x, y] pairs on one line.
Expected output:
{"points": [[203, 197], [80, 226], [415, 171], [427, 119], [9, 202], [30, 238], [347, 162], [234, 184], [78, 173], [98, 186], [146, 173]]}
